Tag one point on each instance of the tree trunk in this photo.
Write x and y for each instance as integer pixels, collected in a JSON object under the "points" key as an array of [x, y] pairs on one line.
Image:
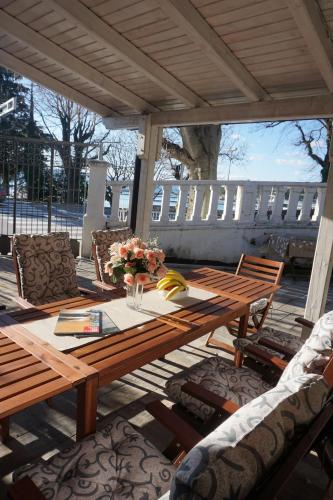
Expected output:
{"points": [[202, 142]]}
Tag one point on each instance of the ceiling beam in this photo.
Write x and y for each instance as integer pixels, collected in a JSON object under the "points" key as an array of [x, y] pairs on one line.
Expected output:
{"points": [[187, 17], [311, 24], [302, 108], [20, 67], [83, 17], [42, 45]]}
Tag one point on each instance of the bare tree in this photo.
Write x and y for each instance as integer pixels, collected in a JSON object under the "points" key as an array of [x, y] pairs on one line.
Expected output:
{"points": [[69, 122], [198, 148], [313, 137]]}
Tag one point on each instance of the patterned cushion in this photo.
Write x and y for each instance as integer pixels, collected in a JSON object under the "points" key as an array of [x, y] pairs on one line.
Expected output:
{"points": [[46, 267], [116, 462], [240, 385], [284, 339], [316, 351], [258, 306], [230, 461], [103, 240]]}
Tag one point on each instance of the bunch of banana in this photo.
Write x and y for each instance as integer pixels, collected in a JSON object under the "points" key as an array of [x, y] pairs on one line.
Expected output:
{"points": [[173, 283]]}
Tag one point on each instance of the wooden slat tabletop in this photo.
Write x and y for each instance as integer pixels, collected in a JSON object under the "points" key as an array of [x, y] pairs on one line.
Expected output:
{"points": [[247, 289]]}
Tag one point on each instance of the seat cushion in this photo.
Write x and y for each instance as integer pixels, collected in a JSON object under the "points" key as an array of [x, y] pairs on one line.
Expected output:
{"points": [[287, 340], [258, 306], [102, 240], [315, 352], [234, 458], [116, 462], [240, 385], [46, 267]]}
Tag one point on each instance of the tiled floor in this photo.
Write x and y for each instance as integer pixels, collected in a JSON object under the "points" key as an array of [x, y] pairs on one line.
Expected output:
{"points": [[42, 430]]}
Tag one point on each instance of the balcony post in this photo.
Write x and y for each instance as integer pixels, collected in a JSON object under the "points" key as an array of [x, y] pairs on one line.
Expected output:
{"points": [[164, 219], [278, 204], [245, 204], [182, 200], [230, 192], [321, 192], [198, 200], [148, 150], [323, 259], [94, 217], [214, 200]]}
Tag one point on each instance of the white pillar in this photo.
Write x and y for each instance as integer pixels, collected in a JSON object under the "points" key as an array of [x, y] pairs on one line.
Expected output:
{"points": [[278, 204], [148, 145], [94, 217], [265, 193], [307, 204], [214, 200], [246, 201], [114, 218], [294, 194], [165, 204], [321, 192], [230, 192], [323, 259]]}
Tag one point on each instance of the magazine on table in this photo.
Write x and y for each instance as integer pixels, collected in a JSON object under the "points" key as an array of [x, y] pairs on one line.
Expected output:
{"points": [[93, 323]]}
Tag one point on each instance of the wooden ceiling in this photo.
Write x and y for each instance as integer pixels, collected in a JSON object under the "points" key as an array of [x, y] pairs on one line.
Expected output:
{"points": [[125, 57]]}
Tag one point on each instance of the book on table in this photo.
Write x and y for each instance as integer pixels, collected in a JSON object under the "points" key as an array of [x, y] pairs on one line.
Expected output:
{"points": [[85, 323]]}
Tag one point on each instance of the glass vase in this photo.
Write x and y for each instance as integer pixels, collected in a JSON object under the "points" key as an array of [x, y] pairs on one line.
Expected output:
{"points": [[134, 296]]}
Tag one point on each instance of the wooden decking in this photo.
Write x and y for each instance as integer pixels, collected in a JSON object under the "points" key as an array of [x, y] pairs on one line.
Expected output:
{"points": [[43, 429]]}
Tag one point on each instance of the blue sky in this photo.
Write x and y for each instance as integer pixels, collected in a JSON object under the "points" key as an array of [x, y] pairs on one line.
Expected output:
{"points": [[272, 156]]}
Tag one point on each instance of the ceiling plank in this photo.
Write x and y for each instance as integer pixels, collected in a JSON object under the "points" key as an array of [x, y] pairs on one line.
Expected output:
{"points": [[20, 67], [25, 34], [81, 16], [302, 108], [311, 24], [187, 17]]}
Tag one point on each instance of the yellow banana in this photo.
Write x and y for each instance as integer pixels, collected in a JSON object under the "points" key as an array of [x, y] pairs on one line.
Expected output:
{"points": [[174, 291], [176, 275], [168, 283]]}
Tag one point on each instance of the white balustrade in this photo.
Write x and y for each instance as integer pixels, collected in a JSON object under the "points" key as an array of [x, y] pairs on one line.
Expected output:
{"points": [[239, 204]]}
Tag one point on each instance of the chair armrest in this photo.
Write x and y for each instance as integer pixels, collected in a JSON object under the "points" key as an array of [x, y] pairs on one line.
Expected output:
{"points": [[210, 398], [183, 432], [267, 358], [25, 488], [276, 347], [86, 291], [23, 303], [304, 322]]}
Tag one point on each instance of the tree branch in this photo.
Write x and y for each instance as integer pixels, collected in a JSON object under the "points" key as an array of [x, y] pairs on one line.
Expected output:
{"points": [[177, 152]]}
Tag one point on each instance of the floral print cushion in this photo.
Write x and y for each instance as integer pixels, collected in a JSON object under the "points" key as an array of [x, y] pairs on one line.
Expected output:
{"points": [[116, 462], [46, 267], [258, 306], [288, 340], [103, 239], [240, 385], [234, 458], [315, 352]]}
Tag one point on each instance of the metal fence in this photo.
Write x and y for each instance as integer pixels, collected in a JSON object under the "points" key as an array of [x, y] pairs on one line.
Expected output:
{"points": [[43, 185]]}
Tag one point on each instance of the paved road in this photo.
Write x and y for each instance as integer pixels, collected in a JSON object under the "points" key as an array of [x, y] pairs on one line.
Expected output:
{"points": [[32, 217]]}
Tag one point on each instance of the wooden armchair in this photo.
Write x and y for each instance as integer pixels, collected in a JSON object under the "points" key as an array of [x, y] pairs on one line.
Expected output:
{"points": [[101, 242], [201, 391], [261, 444], [256, 268], [45, 269]]}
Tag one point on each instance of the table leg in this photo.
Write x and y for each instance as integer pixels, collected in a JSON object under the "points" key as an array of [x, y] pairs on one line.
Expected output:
{"points": [[4, 427], [86, 407], [242, 330]]}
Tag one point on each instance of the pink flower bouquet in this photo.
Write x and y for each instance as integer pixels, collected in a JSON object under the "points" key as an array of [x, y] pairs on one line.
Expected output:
{"points": [[135, 262]]}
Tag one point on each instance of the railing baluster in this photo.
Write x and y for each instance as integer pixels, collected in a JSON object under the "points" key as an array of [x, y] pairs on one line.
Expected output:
{"points": [[294, 194], [166, 204], [130, 194], [245, 203], [278, 204], [230, 192], [265, 192], [214, 200], [307, 204], [182, 200], [321, 192], [198, 199]]}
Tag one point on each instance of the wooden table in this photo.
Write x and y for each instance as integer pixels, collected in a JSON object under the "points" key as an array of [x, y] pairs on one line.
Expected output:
{"points": [[32, 371], [115, 356]]}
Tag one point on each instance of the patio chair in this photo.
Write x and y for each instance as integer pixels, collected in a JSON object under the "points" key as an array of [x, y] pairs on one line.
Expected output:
{"points": [[202, 392], [45, 269], [101, 242], [256, 268], [261, 444]]}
